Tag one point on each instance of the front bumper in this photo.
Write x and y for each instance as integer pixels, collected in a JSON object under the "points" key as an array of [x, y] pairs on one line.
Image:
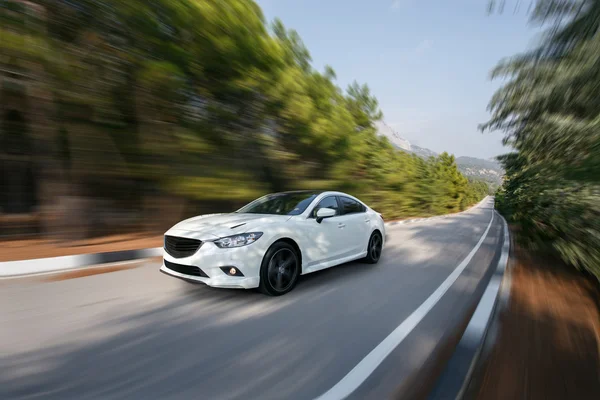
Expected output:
{"points": [[210, 258], [226, 282]]}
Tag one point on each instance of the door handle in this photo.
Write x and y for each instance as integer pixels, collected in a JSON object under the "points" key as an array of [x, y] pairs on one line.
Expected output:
{"points": [[340, 225]]}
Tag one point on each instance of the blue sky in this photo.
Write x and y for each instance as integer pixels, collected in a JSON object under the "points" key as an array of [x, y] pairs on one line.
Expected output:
{"points": [[426, 61]]}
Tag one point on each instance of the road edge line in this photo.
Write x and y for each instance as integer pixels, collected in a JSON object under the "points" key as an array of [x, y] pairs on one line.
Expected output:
{"points": [[458, 371], [361, 371]]}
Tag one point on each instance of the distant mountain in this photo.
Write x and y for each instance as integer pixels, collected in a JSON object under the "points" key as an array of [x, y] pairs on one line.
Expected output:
{"points": [[395, 139], [478, 162], [489, 171], [422, 151]]}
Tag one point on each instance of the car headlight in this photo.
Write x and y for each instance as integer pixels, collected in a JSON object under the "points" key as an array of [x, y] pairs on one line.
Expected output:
{"points": [[240, 240]]}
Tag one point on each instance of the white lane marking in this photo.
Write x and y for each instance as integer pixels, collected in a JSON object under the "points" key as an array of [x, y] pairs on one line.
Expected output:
{"points": [[367, 365]]}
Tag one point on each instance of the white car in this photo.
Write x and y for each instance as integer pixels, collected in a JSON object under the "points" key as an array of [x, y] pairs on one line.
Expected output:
{"points": [[271, 241]]}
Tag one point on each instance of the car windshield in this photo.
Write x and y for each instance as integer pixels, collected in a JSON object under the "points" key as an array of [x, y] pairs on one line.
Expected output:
{"points": [[292, 203]]}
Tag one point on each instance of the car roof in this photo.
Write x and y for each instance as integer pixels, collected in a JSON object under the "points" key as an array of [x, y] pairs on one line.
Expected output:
{"points": [[319, 194], [308, 191], [315, 193]]}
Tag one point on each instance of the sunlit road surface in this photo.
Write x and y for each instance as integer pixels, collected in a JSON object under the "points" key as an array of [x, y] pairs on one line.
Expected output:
{"points": [[140, 334]]}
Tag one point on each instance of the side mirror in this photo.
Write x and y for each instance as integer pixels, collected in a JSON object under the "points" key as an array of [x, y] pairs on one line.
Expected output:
{"points": [[323, 213]]}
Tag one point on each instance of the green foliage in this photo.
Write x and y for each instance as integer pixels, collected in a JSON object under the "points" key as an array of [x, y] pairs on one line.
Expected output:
{"points": [[200, 99], [550, 113]]}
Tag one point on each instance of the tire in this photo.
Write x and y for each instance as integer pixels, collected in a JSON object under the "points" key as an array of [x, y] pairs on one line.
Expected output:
{"points": [[374, 248], [279, 270]]}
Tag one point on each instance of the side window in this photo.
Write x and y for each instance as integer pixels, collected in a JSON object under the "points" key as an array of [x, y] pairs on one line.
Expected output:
{"points": [[327, 202], [351, 206]]}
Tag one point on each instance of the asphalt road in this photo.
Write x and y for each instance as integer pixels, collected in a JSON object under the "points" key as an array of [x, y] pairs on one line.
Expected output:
{"points": [[140, 334]]}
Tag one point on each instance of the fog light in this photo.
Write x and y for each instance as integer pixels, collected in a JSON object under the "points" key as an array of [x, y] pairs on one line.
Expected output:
{"points": [[231, 271]]}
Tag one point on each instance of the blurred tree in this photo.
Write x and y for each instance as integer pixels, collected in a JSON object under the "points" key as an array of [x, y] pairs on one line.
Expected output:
{"points": [[173, 102], [550, 113]]}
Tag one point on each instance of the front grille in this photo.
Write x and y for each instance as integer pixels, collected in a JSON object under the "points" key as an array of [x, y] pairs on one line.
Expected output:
{"points": [[185, 269], [179, 247]]}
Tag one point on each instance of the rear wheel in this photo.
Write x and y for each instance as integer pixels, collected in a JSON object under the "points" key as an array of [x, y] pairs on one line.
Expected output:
{"points": [[279, 270], [374, 248]]}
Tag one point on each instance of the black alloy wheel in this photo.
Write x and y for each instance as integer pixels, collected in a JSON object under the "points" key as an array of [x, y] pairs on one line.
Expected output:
{"points": [[374, 248], [280, 270]]}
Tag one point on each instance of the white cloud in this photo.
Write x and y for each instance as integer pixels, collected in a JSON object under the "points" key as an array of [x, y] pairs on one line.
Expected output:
{"points": [[396, 4]]}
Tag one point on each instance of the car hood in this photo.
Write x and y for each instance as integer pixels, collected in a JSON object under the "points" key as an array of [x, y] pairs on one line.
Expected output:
{"points": [[212, 226]]}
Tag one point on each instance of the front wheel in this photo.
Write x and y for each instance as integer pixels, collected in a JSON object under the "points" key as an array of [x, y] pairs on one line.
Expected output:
{"points": [[279, 270], [374, 248]]}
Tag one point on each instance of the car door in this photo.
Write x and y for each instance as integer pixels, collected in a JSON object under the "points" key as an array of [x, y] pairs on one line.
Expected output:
{"points": [[325, 241], [356, 222]]}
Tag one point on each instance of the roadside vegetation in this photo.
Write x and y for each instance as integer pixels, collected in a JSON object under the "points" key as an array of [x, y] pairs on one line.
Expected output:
{"points": [[550, 114], [206, 101]]}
